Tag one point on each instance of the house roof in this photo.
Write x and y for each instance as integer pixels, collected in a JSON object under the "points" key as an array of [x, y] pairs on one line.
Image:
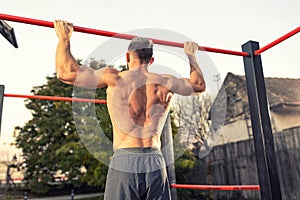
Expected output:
{"points": [[281, 92], [287, 90]]}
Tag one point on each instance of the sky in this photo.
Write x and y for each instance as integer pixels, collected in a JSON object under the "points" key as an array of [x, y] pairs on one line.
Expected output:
{"points": [[219, 24]]}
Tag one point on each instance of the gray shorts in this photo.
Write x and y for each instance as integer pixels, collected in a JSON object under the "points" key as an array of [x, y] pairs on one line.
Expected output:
{"points": [[137, 174]]}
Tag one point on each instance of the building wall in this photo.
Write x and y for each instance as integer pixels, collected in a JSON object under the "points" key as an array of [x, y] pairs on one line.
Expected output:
{"points": [[281, 121], [233, 132], [237, 130], [3, 169]]}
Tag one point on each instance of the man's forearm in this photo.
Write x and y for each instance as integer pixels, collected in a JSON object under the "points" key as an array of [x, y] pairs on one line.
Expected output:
{"points": [[66, 65], [196, 75]]}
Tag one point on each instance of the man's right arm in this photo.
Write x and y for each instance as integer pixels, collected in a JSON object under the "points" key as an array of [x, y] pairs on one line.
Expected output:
{"points": [[196, 76], [69, 71]]}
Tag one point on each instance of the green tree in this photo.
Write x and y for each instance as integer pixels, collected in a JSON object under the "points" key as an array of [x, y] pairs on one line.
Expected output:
{"points": [[50, 143]]}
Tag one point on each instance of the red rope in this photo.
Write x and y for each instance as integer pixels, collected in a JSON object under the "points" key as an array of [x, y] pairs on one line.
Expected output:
{"points": [[279, 40], [113, 34], [216, 187], [55, 98]]}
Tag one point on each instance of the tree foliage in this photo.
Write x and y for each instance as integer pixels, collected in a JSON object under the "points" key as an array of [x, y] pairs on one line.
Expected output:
{"points": [[192, 122], [190, 126], [50, 144]]}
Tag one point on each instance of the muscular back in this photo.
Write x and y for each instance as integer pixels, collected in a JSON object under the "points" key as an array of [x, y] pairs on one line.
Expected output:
{"points": [[138, 105]]}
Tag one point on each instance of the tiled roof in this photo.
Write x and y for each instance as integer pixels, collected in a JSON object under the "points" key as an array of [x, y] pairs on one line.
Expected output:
{"points": [[283, 94], [279, 90], [285, 89]]}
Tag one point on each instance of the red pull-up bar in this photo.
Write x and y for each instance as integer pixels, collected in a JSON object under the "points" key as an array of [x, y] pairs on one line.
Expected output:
{"points": [[216, 187], [56, 98], [114, 34], [279, 40]]}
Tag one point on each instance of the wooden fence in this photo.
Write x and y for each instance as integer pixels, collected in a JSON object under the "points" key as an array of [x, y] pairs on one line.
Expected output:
{"points": [[235, 164]]}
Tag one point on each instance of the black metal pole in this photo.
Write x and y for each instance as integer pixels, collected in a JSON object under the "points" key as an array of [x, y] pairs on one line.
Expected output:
{"points": [[1, 103], [168, 153], [261, 125], [267, 129], [72, 194], [25, 195], [8, 32]]}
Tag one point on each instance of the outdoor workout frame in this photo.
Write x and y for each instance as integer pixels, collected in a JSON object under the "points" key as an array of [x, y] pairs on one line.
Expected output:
{"points": [[269, 184]]}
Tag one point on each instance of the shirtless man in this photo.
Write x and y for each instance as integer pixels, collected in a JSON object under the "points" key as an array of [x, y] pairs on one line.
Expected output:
{"points": [[138, 103]]}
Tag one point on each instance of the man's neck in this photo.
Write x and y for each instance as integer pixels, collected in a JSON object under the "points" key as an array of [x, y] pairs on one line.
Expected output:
{"points": [[139, 67]]}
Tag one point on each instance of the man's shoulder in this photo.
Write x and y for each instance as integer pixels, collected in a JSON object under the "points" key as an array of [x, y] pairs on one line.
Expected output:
{"points": [[109, 69], [168, 77], [110, 72]]}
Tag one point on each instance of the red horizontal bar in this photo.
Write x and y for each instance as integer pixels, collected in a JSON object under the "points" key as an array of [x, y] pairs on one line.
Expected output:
{"points": [[216, 187], [55, 98], [114, 34], [279, 40]]}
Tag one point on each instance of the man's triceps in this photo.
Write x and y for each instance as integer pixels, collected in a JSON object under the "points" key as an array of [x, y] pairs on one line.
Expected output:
{"points": [[84, 77], [181, 86]]}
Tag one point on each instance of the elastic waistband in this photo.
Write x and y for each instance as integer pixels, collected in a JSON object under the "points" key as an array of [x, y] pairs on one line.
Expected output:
{"points": [[136, 150]]}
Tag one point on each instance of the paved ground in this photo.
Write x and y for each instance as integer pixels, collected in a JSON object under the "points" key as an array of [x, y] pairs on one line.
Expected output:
{"points": [[68, 197]]}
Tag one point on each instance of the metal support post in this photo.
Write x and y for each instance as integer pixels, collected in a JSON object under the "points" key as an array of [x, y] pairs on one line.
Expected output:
{"points": [[1, 103], [168, 153], [261, 125]]}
